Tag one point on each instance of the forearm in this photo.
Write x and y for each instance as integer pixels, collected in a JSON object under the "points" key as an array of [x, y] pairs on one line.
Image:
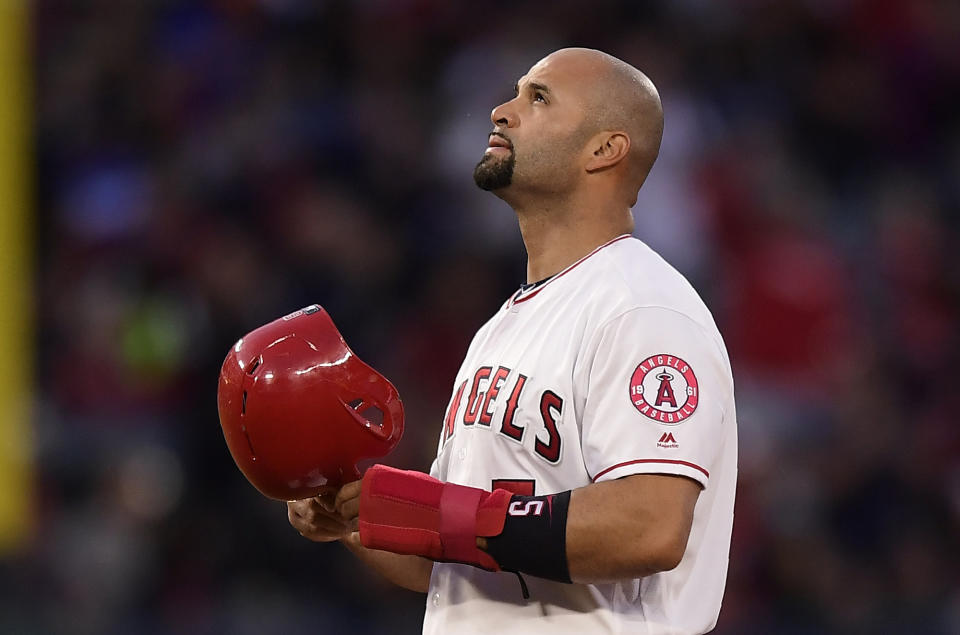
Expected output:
{"points": [[628, 528], [409, 572], [610, 539]]}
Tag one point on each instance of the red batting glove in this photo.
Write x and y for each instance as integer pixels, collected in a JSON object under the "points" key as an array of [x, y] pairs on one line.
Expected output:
{"points": [[413, 513]]}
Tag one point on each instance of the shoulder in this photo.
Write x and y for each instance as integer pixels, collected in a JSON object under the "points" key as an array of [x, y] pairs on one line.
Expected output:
{"points": [[629, 275], [636, 293]]}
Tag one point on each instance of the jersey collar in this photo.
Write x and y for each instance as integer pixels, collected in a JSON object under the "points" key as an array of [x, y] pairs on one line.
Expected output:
{"points": [[523, 295]]}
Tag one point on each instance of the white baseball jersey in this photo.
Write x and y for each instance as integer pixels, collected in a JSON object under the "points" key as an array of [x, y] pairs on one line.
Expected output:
{"points": [[613, 367]]}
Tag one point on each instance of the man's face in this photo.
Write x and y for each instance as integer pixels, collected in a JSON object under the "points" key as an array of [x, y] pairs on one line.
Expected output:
{"points": [[538, 135]]}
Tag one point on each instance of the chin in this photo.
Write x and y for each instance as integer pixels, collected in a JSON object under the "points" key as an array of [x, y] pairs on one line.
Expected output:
{"points": [[493, 174]]}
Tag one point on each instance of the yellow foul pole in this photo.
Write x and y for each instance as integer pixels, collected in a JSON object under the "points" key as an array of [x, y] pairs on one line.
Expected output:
{"points": [[16, 256]]}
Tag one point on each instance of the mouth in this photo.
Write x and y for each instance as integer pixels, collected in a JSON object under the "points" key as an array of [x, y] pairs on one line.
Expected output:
{"points": [[498, 142]]}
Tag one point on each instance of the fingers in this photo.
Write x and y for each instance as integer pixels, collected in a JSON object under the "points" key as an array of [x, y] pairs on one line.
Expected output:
{"points": [[327, 501], [349, 509], [348, 500], [315, 523], [348, 491], [330, 515], [298, 508]]}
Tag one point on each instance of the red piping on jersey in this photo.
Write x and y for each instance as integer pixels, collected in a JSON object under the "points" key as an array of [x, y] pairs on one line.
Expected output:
{"points": [[671, 461], [568, 269]]}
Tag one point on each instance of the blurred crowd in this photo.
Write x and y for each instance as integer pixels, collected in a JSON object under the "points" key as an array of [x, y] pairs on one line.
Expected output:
{"points": [[205, 167]]}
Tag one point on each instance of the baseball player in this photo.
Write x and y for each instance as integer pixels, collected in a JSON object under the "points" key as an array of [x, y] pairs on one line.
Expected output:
{"points": [[586, 467]]}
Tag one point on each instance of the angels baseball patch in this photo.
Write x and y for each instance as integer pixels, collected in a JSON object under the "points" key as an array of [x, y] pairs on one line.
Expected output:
{"points": [[664, 388]]}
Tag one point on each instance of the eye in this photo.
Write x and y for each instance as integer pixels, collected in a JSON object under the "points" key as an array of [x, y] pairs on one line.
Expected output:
{"points": [[538, 96]]}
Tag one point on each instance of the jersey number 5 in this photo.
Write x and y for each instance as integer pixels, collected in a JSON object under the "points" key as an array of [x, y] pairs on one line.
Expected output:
{"points": [[525, 508]]}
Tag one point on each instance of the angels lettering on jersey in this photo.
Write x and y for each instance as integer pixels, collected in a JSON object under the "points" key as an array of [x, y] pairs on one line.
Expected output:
{"points": [[474, 404]]}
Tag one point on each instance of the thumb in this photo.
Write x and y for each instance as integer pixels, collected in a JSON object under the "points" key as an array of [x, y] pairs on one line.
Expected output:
{"points": [[327, 501]]}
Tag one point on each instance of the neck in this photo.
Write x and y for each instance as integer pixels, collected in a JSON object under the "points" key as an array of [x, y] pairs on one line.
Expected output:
{"points": [[557, 234]]}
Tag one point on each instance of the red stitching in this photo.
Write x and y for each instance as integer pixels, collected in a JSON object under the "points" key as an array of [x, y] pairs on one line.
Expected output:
{"points": [[407, 501], [672, 461]]}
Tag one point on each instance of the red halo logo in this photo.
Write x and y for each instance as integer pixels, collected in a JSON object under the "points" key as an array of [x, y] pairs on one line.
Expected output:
{"points": [[664, 388]]}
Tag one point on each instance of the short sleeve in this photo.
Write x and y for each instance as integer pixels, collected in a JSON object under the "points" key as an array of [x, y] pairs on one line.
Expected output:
{"points": [[657, 389]]}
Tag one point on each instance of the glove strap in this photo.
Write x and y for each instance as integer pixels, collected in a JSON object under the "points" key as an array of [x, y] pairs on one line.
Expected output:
{"points": [[413, 513], [458, 522]]}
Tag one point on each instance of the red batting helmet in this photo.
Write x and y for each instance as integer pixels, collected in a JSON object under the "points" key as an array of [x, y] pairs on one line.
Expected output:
{"points": [[298, 408]]}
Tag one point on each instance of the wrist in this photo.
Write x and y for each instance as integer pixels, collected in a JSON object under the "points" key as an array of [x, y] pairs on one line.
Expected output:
{"points": [[534, 537], [412, 513]]}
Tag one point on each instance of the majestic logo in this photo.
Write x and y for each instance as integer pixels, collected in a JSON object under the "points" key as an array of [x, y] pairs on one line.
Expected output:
{"points": [[667, 441], [664, 388]]}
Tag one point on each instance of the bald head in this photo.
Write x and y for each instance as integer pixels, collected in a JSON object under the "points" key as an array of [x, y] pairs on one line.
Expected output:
{"points": [[582, 124], [618, 97]]}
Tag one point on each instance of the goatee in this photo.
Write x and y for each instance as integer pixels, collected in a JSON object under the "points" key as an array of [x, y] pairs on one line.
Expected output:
{"points": [[494, 173]]}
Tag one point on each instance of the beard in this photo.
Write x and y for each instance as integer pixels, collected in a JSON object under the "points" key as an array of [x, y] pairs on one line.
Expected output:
{"points": [[494, 173]]}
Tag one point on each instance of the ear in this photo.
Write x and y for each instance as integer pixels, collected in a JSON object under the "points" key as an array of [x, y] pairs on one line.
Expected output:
{"points": [[609, 149]]}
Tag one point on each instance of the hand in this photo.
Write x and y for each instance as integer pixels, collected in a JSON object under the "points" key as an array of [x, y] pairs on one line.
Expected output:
{"points": [[318, 518], [347, 502]]}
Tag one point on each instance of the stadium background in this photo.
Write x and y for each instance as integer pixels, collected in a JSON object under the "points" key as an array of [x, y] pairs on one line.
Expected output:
{"points": [[174, 174]]}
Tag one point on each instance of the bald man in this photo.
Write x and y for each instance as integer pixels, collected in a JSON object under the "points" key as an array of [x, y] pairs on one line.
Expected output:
{"points": [[586, 466]]}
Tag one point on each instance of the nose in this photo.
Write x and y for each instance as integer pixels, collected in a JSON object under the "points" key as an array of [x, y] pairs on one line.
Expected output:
{"points": [[504, 116]]}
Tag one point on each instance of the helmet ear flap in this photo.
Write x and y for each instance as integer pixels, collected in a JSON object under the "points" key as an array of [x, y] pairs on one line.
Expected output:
{"points": [[298, 409]]}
